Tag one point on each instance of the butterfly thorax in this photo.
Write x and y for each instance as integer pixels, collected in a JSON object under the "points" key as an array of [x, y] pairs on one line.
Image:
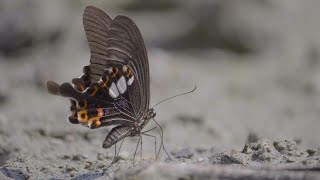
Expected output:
{"points": [[144, 120]]}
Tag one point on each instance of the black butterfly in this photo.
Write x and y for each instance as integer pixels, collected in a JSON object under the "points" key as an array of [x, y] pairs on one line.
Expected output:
{"points": [[115, 87]]}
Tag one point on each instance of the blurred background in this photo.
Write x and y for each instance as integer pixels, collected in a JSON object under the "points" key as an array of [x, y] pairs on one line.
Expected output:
{"points": [[255, 64]]}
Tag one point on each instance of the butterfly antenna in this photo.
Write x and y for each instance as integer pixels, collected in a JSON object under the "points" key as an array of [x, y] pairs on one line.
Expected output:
{"points": [[195, 87]]}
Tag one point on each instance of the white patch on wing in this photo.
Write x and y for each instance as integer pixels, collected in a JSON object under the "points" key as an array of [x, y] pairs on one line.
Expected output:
{"points": [[130, 81], [113, 91], [122, 85]]}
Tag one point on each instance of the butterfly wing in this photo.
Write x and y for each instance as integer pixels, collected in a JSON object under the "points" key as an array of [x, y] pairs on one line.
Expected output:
{"points": [[118, 41], [97, 25], [115, 86]]}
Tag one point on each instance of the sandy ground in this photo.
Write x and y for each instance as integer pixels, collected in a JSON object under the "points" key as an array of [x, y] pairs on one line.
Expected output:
{"points": [[253, 115]]}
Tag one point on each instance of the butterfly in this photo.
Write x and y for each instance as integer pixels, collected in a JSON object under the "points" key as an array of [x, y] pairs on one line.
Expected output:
{"points": [[115, 87]]}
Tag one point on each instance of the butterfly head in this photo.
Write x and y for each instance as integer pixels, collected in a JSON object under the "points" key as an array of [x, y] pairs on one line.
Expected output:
{"points": [[151, 113]]}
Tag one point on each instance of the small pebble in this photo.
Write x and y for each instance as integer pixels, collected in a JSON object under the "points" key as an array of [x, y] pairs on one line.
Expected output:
{"points": [[78, 157], [101, 156], [87, 165], [66, 157], [183, 153], [69, 168], [71, 174]]}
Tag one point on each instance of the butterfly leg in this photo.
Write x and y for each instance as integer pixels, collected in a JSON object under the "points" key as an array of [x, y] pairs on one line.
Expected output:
{"points": [[149, 130], [114, 157], [155, 140], [116, 154], [119, 150], [140, 147], [135, 152], [161, 145], [161, 135], [155, 143]]}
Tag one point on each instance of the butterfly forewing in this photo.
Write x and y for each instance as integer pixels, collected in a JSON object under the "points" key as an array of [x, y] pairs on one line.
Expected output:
{"points": [[96, 25], [139, 58], [118, 41]]}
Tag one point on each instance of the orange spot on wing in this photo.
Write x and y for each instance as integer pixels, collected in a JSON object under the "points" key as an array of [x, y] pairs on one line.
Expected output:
{"points": [[107, 79], [83, 116], [116, 69], [129, 73], [93, 120], [98, 123], [104, 83], [94, 91], [100, 112], [82, 88]]}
